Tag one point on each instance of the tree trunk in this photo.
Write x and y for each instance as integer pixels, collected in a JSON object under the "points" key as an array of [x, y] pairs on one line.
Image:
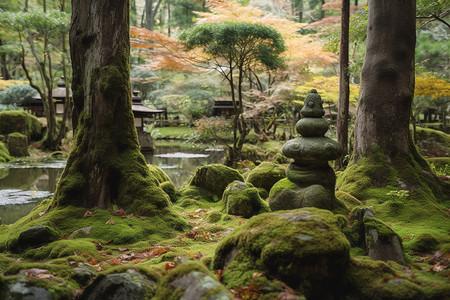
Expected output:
{"points": [[384, 155], [344, 90], [149, 17], [105, 165], [387, 79], [4, 70]]}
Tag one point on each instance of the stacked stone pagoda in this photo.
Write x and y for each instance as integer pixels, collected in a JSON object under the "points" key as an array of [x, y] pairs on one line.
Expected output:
{"points": [[310, 180]]}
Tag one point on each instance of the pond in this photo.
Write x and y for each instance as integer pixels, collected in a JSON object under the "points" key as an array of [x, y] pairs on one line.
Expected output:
{"points": [[24, 184]]}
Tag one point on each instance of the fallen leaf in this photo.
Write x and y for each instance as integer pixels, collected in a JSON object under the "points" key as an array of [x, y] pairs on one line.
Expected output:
{"points": [[142, 218], [119, 212], [122, 249], [110, 222], [77, 293], [106, 243], [114, 262], [93, 262], [286, 296], [88, 213], [42, 213], [170, 265], [258, 274], [98, 245]]}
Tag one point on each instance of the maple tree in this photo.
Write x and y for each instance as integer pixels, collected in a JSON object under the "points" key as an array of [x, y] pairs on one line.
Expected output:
{"points": [[236, 50]]}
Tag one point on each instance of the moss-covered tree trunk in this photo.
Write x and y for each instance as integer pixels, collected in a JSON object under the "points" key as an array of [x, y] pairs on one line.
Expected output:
{"points": [[384, 155], [106, 166]]}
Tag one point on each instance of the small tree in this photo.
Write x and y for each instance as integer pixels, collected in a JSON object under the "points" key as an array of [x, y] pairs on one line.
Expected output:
{"points": [[236, 50], [38, 34]]}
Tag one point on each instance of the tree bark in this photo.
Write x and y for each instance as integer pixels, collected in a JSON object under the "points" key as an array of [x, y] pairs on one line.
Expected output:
{"points": [[344, 79], [105, 165], [387, 79]]}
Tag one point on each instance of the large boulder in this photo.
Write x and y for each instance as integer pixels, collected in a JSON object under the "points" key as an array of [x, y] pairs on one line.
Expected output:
{"points": [[266, 175], [129, 285], [191, 281], [214, 178], [20, 121], [17, 144], [242, 199], [304, 248]]}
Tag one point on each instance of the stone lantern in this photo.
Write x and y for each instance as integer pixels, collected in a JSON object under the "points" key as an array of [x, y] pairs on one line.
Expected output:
{"points": [[310, 180]]}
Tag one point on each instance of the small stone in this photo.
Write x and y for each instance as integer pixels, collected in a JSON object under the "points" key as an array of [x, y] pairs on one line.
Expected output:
{"points": [[80, 233]]}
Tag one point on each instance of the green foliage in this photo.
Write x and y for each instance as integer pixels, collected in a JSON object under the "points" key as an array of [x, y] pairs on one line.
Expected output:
{"points": [[46, 24], [237, 43], [16, 94]]}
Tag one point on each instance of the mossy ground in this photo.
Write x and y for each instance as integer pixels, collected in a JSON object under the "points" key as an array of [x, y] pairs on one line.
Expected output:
{"points": [[119, 240]]}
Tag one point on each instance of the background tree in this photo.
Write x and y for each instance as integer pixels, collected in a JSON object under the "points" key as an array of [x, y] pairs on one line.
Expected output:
{"points": [[105, 167], [151, 9], [37, 34], [384, 155], [344, 79], [236, 49]]}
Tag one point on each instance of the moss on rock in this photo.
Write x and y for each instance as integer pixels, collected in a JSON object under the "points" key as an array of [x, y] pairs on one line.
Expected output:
{"points": [[304, 248], [214, 178], [20, 121], [266, 175], [17, 144], [191, 280], [424, 243], [242, 199]]}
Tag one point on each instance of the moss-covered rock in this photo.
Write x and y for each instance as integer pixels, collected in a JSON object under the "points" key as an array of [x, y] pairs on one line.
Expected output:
{"points": [[304, 248], [382, 243], [242, 199], [191, 281], [169, 188], [17, 144], [424, 243], [285, 194], [214, 178], [432, 142], [32, 237], [121, 286], [20, 121], [4, 153], [266, 175]]}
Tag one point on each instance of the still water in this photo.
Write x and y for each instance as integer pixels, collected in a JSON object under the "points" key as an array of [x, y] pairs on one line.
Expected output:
{"points": [[23, 185]]}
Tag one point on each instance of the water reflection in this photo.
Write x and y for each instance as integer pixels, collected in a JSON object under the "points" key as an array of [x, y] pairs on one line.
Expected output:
{"points": [[24, 184]]}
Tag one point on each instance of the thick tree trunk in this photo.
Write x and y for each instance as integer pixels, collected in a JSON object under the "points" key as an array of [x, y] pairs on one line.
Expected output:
{"points": [[387, 85], [105, 166], [344, 79]]}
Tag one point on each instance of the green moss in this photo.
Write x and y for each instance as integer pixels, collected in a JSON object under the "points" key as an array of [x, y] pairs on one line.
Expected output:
{"points": [[63, 248], [242, 199], [284, 245], [424, 243], [266, 175], [165, 291], [158, 174], [283, 184], [20, 121], [214, 178], [169, 188], [4, 153], [374, 279], [5, 262]]}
